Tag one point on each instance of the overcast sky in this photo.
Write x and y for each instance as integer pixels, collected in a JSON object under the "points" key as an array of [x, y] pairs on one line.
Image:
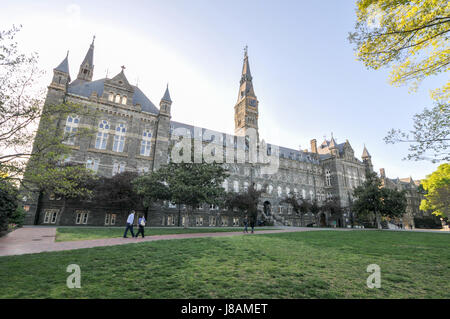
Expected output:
{"points": [[304, 70]]}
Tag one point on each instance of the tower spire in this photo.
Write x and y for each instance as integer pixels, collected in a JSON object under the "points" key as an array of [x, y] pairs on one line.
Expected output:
{"points": [[87, 66], [246, 109]]}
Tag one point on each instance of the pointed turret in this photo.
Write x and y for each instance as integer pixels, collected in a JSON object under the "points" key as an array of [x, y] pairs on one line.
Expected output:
{"points": [[87, 66], [166, 102], [61, 76], [246, 108], [166, 96], [365, 153], [246, 84], [64, 65], [367, 159]]}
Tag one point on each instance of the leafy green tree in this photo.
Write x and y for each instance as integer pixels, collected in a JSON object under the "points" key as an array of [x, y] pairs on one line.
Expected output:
{"points": [[8, 202], [411, 36], [430, 138], [246, 201], [118, 191], [333, 207], [300, 205], [372, 198], [152, 187], [188, 184], [37, 166], [437, 191]]}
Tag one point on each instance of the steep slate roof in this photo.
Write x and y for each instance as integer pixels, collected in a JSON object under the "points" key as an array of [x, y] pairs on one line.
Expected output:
{"points": [[166, 96], [365, 153], [85, 89], [64, 65], [89, 58], [284, 152]]}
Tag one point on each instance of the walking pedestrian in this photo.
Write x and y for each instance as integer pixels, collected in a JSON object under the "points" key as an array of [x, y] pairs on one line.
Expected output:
{"points": [[252, 224], [141, 224], [130, 221], [245, 224]]}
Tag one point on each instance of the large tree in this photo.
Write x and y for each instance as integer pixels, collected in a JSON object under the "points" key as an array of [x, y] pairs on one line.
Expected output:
{"points": [[246, 201], [118, 191], [333, 207], [437, 191], [8, 202], [430, 138], [300, 205], [32, 138], [411, 37], [188, 184], [372, 198]]}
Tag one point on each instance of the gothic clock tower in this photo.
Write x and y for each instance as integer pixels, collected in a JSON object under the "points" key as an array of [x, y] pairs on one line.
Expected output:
{"points": [[246, 109]]}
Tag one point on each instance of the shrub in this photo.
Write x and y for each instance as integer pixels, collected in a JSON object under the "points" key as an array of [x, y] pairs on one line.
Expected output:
{"points": [[8, 203]]}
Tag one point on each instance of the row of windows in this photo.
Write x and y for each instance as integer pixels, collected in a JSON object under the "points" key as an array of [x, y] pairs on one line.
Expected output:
{"points": [[101, 139], [199, 221], [117, 98], [269, 190]]}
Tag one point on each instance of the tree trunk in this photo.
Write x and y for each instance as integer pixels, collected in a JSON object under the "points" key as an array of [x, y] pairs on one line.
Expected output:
{"points": [[378, 220]]}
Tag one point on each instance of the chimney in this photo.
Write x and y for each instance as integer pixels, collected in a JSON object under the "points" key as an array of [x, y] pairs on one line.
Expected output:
{"points": [[382, 173], [314, 146]]}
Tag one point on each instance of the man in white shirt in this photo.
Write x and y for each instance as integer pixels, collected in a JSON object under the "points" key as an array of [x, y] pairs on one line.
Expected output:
{"points": [[130, 221]]}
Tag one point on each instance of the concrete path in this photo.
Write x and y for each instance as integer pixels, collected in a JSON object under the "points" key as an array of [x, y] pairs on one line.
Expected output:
{"points": [[31, 240]]}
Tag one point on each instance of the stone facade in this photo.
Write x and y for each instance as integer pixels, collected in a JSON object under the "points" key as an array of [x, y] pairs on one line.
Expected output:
{"points": [[134, 135], [413, 197]]}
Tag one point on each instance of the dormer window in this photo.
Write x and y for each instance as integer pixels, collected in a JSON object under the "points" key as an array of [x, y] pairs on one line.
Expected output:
{"points": [[117, 100], [124, 100]]}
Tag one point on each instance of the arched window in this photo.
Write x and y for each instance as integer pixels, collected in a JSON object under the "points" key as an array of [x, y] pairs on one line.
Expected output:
{"points": [[270, 189], [245, 186], [71, 129], [146, 143], [288, 190], [303, 194], [102, 135], [117, 98], [111, 97], [280, 192], [92, 163], [236, 186], [328, 177], [118, 168], [119, 138], [124, 99], [225, 185]]}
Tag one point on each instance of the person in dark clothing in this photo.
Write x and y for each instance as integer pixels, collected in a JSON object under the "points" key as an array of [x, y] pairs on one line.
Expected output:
{"points": [[141, 224], [252, 224], [245, 224], [130, 221]]}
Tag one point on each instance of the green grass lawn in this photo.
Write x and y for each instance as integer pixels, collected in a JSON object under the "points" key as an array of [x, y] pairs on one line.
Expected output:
{"points": [[80, 233], [322, 264]]}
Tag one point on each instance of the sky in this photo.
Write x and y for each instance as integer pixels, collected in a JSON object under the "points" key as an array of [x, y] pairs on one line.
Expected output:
{"points": [[305, 73]]}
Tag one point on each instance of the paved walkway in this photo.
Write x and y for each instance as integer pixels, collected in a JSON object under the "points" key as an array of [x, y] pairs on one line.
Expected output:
{"points": [[31, 240]]}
